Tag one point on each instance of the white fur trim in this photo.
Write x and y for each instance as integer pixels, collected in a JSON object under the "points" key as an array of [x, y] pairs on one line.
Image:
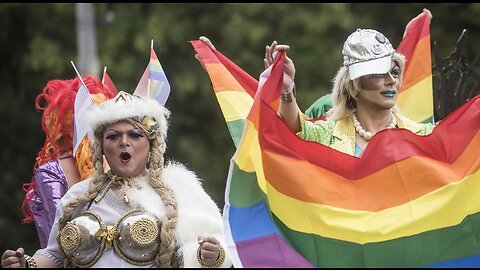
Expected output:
{"points": [[198, 215], [112, 111]]}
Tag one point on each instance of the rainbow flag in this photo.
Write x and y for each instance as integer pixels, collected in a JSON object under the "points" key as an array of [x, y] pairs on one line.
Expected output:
{"points": [[409, 201], [154, 82], [416, 95], [235, 91]]}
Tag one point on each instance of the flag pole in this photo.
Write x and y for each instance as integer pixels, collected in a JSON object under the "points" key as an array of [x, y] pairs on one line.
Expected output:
{"points": [[103, 77], [150, 57], [78, 74]]}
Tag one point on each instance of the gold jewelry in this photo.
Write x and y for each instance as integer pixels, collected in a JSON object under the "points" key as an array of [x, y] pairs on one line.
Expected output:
{"points": [[218, 262], [288, 96], [70, 237], [367, 135], [144, 231], [117, 181], [31, 263]]}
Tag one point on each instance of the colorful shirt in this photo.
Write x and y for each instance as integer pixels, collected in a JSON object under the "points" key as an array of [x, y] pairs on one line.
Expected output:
{"points": [[340, 134]]}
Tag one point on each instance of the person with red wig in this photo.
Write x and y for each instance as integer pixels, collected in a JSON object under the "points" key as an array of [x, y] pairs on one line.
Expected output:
{"points": [[56, 167]]}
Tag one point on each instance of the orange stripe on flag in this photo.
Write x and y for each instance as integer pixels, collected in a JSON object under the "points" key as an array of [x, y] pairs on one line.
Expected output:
{"points": [[221, 79], [380, 190], [420, 64]]}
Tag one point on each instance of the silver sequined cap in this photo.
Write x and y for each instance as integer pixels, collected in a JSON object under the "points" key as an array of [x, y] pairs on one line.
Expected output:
{"points": [[367, 51]]}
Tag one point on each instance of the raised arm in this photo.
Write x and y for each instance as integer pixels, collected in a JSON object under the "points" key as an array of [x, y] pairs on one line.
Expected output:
{"points": [[288, 104]]}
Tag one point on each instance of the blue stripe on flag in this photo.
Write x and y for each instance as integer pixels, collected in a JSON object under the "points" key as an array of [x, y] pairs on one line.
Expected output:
{"points": [[473, 261], [156, 75], [250, 222]]}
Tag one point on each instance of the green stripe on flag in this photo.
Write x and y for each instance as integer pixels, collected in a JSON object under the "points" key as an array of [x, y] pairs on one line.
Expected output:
{"points": [[247, 192], [236, 129], [418, 250]]}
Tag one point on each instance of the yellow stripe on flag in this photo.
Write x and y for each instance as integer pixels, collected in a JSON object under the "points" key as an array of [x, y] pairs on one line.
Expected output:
{"points": [[421, 215], [237, 110], [416, 102]]}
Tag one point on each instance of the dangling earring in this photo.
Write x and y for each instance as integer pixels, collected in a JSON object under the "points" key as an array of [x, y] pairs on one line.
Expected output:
{"points": [[355, 93]]}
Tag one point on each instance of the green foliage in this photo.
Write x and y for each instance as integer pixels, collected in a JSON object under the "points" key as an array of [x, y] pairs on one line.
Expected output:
{"points": [[38, 41]]}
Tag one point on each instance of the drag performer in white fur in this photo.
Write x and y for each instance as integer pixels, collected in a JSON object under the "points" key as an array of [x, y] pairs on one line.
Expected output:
{"points": [[140, 212]]}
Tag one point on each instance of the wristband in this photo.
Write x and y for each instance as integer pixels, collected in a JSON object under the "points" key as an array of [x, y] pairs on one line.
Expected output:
{"points": [[288, 96], [218, 262], [30, 262]]}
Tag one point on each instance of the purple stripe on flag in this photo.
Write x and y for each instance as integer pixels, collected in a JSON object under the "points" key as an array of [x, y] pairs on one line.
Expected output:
{"points": [[269, 251]]}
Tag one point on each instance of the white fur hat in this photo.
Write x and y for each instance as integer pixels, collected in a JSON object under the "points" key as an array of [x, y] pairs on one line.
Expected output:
{"points": [[124, 106], [366, 52]]}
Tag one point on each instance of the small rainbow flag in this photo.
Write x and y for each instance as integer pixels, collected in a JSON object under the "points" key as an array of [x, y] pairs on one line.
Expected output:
{"points": [[154, 82]]}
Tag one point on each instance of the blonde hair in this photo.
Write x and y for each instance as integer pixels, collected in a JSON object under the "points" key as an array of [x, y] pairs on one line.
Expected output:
{"points": [[166, 252], [344, 91]]}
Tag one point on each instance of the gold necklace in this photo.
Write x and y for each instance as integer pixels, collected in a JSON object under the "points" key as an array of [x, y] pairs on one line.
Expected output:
{"points": [[117, 181], [367, 135]]}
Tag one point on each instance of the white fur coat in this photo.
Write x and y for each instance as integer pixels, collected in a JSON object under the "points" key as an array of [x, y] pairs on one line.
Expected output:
{"points": [[197, 213]]}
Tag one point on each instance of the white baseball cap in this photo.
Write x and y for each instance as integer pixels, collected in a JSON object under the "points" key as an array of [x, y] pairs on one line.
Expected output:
{"points": [[367, 51]]}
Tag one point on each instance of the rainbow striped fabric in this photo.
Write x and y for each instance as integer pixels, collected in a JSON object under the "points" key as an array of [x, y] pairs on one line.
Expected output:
{"points": [[417, 82], [154, 82], [409, 201]]}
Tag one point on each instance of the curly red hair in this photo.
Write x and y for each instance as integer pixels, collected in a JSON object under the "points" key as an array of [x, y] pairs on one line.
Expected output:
{"points": [[57, 102]]}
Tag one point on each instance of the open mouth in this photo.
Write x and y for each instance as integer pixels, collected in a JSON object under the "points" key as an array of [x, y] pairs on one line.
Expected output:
{"points": [[125, 156]]}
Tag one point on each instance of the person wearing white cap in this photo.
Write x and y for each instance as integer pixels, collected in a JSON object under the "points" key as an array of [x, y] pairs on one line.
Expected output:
{"points": [[364, 95], [141, 212]]}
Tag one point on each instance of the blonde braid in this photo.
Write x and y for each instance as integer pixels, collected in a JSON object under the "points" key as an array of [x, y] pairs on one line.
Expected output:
{"points": [[168, 244], [166, 252], [97, 179]]}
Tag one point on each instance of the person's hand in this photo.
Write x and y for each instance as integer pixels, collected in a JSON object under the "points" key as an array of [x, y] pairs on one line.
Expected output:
{"points": [[13, 259], [289, 75], [209, 44], [207, 41], [209, 249]]}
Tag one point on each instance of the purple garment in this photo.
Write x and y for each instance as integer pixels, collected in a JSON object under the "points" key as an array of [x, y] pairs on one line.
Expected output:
{"points": [[51, 185]]}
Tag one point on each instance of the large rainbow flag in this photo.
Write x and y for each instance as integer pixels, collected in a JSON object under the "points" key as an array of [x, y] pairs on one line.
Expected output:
{"points": [[409, 201], [416, 95]]}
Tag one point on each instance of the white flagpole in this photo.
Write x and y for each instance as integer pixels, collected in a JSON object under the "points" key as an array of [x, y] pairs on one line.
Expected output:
{"points": [[78, 74], [103, 77], [148, 84]]}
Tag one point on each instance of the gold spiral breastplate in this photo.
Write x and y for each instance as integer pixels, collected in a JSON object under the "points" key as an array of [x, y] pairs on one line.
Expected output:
{"points": [[135, 238]]}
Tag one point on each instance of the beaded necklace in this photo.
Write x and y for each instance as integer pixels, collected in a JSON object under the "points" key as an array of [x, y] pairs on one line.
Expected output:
{"points": [[367, 135]]}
